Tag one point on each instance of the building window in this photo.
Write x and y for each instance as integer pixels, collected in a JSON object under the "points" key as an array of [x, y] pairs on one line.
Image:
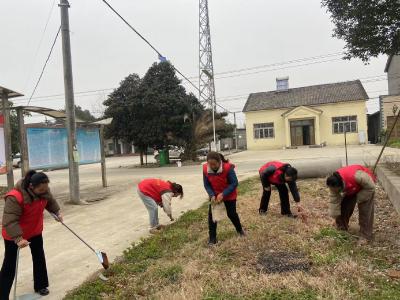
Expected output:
{"points": [[111, 147], [264, 131], [342, 124]]}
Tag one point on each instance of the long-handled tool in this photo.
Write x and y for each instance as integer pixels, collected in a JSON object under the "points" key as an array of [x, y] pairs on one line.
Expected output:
{"points": [[101, 256], [16, 275]]}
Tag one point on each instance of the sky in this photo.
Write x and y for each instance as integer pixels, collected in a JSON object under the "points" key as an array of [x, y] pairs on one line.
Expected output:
{"points": [[294, 36]]}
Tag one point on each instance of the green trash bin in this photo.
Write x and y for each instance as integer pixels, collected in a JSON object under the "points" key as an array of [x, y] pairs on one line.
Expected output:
{"points": [[164, 157]]}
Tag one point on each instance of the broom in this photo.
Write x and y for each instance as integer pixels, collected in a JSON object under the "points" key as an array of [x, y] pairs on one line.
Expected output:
{"points": [[101, 256]]}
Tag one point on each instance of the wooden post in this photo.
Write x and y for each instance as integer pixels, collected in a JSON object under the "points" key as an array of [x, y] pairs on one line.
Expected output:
{"points": [[23, 142], [345, 146], [103, 157], [7, 140]]}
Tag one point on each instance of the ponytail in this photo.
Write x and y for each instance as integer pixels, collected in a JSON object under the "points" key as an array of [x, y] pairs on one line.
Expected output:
{"points": [[34, 178], [176, 188], [217, 156]]}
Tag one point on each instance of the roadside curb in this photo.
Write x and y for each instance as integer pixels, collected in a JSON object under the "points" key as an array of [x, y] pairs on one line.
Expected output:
{"points": [[391, 184]]}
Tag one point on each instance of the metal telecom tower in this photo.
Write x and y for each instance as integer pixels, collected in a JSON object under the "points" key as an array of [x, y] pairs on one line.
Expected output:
{"points": [[206, 67]]}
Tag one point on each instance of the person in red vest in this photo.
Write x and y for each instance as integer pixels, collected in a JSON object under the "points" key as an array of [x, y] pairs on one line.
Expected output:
{"points": [[23, 225], [156, 192], [279, 174], [349, 186], [221, 183]]}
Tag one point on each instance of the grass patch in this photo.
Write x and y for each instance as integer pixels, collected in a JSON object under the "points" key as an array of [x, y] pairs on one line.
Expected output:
{"points": [[395, 143], [178, 264], [264, 295], [172, 274]]}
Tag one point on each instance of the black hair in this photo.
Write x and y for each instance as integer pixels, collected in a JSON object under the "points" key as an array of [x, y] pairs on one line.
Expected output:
{"points": [[177, 188], [34, 178], [216, 156], [334, 181], [291, 172]]}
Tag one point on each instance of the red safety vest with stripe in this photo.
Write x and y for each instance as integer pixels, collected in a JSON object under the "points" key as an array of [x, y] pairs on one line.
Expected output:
{"points": [[351, 187], [154, 188], [275, 178], [31, 220], [219, 181]]}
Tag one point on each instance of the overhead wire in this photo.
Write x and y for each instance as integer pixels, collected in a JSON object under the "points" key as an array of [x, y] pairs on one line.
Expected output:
{"points": [[369, 79], [149, 43], [40, 42], [45, 64], [276, 64]]}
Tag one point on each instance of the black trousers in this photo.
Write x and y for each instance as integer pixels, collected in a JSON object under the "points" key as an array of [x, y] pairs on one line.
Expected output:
{"points": [[283, 195], [7, 272], [232, 215], [365, 219]]}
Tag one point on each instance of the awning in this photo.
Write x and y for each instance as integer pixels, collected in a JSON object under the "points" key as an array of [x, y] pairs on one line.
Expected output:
{"points": [[10, 93], [56, 114]]}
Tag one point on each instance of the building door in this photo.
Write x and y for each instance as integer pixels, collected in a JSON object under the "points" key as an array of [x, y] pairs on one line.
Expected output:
{"points": [[396, 131], [302, 132]]}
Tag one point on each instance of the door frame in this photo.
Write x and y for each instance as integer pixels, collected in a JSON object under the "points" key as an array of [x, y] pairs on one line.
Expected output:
{"points": [[312, 139]]}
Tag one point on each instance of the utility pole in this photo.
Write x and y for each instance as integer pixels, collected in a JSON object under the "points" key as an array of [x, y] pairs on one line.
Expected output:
{"points": [[73, 156], [206, 67], [236, 136]]}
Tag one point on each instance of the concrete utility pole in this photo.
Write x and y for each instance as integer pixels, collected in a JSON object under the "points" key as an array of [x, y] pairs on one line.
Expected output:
{"points": [[236, 136], [73, 156], [7, 139]]}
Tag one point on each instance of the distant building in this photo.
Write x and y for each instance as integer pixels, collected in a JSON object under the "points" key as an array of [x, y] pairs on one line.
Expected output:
{"points": [[230, 143], [306, 116], [390, 104], [393, 73], [118, 147]]}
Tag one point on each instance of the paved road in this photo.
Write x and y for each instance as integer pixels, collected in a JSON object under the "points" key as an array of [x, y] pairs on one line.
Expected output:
{"points": [[120, 218]]}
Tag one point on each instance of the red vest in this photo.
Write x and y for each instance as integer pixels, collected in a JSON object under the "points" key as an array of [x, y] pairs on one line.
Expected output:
{"points": [[31, 220], [219, 181], [275, 178], [154, 188], [351, 187]]}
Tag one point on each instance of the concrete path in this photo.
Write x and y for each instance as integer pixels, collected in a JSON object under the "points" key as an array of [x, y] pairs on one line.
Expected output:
{"points": [[120, 218]]}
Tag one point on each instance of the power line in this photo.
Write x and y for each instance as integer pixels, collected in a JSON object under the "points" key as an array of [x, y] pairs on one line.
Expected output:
{"points": [[62, 95], [40, 42], [370, 79], [148, 43], [276, 64], [45, 64]]}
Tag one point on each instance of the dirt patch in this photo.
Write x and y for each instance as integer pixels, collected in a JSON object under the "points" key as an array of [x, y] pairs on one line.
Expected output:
{"points": [[281, 262]]}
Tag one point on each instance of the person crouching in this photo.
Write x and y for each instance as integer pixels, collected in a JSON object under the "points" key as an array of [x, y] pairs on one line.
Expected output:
{"points": [[279, 174], [349, 186], [157, 192]]}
